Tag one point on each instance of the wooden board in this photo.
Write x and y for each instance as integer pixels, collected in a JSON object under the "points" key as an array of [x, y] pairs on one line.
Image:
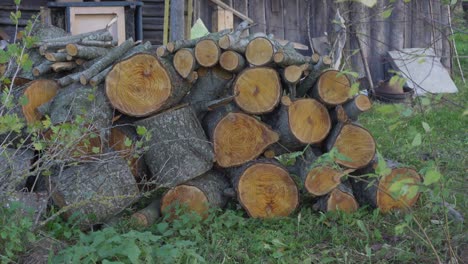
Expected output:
{"points": [[274, 16]]}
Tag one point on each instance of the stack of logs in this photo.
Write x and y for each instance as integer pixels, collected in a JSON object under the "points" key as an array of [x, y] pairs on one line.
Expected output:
{"points": [[219, 110]]}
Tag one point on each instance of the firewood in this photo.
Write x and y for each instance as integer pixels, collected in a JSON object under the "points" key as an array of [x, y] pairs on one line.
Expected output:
{"points": [[184, 62], [265, 189], [15, 166], [162, 52], [299, 123], [102, 189], [355, 144], [42, 68], [232, 61], [99, 43], [259, 90], [56, 56], [239, 45], [180, 151], [338, 115], [148, 215], [52, 45], [313, 72], [207, 52], [289, 56], [259, 51], [197, 195], [105, 61], [340, 198], [358, 105], [237, 137], [134, 91], [79, 61], [225, 41], [38, 92], [63, 66], [174, 46], [387, 192], [85, 52], [291, 76], [332, 88], [101, 34], [69, 79]]}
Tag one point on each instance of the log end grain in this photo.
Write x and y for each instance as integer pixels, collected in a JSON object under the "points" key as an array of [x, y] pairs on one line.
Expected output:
{"points": [[332, 88], [230, 61], [184, 62], [363, 103], [309, 121], [340, 200], [207, 53], [239, 138], [224, 42], [72, 49], [258, 89], [139, 85], [38, 93], [322, 180], [259, 51], [266, 191], [293, 73], [185, 197]]}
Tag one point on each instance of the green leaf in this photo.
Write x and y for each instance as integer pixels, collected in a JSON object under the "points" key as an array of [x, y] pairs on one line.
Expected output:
{"points": [[407, 112], [425, 101], [387, 13], [132, 252], [96, 150], [382, 168], [361, 226], [127, 142], [354, 89], [17, 2], [23, 100], [399, 229], [432, 176], [141, 130], [417, 140], [426, 126], [38, 146]]}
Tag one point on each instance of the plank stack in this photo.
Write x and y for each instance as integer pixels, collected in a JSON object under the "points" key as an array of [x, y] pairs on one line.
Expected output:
{"points": [[220, 110]]}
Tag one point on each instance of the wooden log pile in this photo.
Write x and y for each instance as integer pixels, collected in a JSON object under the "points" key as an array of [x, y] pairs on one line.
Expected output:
{"points": [[219, 110]]}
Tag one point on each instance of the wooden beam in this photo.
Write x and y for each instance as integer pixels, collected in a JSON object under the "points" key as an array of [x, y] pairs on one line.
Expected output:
{"points": [[189, 18], [166, 22], [222, 19], [235, 12], [177, 21]]}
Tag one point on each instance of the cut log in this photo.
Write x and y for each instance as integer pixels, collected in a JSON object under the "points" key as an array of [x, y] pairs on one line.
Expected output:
{"points": [[190, 43], [265, 189], [211, 84], [63, 66], [259, 90], [85, 52], [228, 39], [144, 84], [180, 151], [184, 62], [340, 199], [15, 166], [99, 43], [260, 51], [105, 61], [291, 76], [162, 51], [398, 190], [355, 144], [101, 34], [232, 61], [358, 105], [207, 52], [148, 215], [197, 195], [100, 189], [57, 56], [332, 88], [299, 123], [312, 73], [289, 56], [69, 79], [237, 137], [122, 139], [38, 93], [338, 115], [43, 68]]}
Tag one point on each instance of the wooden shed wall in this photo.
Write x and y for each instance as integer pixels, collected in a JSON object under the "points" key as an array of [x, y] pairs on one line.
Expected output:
{"points": [[410, 25], [28, 9]]}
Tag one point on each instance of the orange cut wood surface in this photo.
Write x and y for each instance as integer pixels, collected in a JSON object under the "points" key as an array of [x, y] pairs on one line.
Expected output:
{"points": [[309, 121], [38, 93], [117, 142], [333, 87], [184, 62], [185, 197], [207, 53], [322, 179], [341, 201], [259, 51], [356, 145]]}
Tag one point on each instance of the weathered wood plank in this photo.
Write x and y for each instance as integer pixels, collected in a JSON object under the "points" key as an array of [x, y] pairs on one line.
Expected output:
{"points": [[241, 6], [177, 25], [257, 13], [275, 18], [291, 21]]}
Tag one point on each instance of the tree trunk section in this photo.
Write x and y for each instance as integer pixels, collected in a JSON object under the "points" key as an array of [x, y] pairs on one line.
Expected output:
{"points": [[332, 88], [340, 198], [260, 51], [180, 151], [312, 73], [289, 56], [85, 52], [43, 68], [15, 166], [176, 45], [147, 216], [184, 62], [232, 61], [63, 66], [207, 52], [358, 105], [38, 93], [57, 56], [211, 84]]}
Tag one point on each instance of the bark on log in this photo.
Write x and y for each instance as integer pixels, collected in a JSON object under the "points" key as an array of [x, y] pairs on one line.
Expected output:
{"points": [[355, 144], [207, 52], [332, 88], [299, 123], [134, 91], [69, 79], [184, 62], [314, 71], [357, 106], [232, 61], [338, 115], [56, 56], [180, 151], [43, 68], [15, 165], [63, 66], [397, 190], [211, 84], [197, 195], [240, 45], [100, 189], [105, 61], [99, 43], [190, 43], [101, 34], [340, 198], [237, 137], [233, 37], [85, 52], [265, 189], [289, 56], [259, 90], [147, 216], [162, 52]]}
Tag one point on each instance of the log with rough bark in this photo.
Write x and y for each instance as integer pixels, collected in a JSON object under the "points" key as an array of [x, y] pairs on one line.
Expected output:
{"points": [[43, 68], [99, 43], [232, 61], [237, 138], [56, 56], [184, 62], [38, 93], [15, 166], [289, 56], [227, 40], [355, 144], [85, 52], [97, 189], [63, 66], [148, 215], [338, 115], [332, 88], [259, 90], [207, 52], [197, 195], [100, 34], [397, 190], [359, 104], [291, 76], [180, 150], [265, 189], [340, 198], [299, 123], [162, 52], [132, 88], [105, 61], [312, 73], [190, 43]]}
